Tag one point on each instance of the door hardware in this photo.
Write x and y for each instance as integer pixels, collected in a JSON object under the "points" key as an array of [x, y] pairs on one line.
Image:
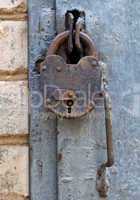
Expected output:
{"points": [[73, 82]]}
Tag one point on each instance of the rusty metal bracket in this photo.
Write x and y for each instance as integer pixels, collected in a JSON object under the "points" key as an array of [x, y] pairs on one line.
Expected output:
{"points": [[102, 185], [63, 83], [75, 23], [69, 24]]}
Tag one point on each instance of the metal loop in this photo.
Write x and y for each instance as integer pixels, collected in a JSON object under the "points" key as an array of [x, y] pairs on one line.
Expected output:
{"points": [[63, 37]]}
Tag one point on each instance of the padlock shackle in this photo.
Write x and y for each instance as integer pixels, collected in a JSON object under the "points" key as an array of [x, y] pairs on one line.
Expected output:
{"points": [[61, 38]]}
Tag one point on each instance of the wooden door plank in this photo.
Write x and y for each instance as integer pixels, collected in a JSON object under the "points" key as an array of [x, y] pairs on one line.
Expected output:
{"points": [[43, 175], [115, 26], [81, 142]]}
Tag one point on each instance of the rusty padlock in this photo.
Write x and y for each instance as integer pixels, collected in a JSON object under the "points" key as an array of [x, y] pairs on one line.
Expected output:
{"points": [[73, 90], [70, 89]]}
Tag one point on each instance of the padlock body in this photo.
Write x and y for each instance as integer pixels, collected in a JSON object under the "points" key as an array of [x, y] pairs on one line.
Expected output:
{"points": [[70, 90]]}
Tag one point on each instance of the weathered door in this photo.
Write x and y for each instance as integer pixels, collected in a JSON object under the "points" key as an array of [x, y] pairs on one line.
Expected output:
{"points": [[80, 143]]}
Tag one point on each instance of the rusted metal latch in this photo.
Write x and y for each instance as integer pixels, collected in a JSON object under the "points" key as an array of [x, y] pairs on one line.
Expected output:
{"points": [[73, 81]]}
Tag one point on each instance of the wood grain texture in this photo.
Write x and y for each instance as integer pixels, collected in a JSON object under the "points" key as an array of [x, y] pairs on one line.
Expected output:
{"points": [[115, 26], [42, 125], [81, 142]]}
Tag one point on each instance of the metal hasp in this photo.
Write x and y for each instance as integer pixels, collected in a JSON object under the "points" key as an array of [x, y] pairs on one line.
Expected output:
{"points": [[101, 183], [73, 81], [70, 73]]}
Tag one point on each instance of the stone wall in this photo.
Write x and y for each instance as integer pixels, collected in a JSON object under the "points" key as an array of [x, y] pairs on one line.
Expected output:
{"points": [[13, 101]]}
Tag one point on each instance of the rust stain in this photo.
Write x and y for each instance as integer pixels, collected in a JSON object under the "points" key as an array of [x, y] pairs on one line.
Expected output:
{"points": [[62, 37], [14, 75], [13, 196], [70, 79], [22, 139], [17, 13], [59, 156], [101, 183]]}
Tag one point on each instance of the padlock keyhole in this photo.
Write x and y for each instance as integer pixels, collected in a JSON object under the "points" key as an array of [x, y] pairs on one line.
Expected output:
{"points": [[69, 103]]}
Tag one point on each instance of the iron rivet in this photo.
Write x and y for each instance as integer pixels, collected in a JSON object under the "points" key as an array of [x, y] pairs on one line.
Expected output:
{"points": [[43, 68], [70, 94], [48, 101], [59, 68]]}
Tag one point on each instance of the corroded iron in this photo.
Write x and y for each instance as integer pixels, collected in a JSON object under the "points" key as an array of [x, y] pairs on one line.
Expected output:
{"points": [[69, 90], [75, 23], [72, 90], [86, 41], [102, 185], [59, 78]]}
